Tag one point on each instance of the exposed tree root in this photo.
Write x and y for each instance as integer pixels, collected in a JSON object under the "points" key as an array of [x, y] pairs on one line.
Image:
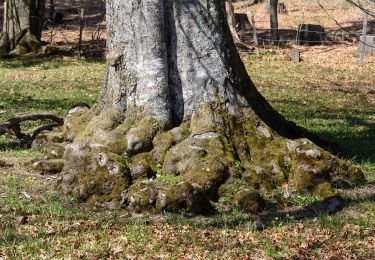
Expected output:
{"points": [[13, 125], [192, 166]]}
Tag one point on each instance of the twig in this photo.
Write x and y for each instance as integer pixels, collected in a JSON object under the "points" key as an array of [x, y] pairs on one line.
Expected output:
{"points": [[342, 28], [97, 29]]}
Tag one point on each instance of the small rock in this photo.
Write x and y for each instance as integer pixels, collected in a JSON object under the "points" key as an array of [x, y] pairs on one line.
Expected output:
{"points": [[292, 145], [263, 130], [140, 167], [295, 55], [50, 166], [275, 167], [136, 142], [341, 183], [249, 200], [22, 219], [178, 134], [324, 190], [305, 141], [314, 153]]}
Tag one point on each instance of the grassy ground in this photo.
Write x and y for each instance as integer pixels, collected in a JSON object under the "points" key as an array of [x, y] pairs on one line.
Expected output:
{"points": [[37, 222]]}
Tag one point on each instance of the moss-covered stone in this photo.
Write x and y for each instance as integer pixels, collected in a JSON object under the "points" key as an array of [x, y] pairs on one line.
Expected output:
{"points": [[75, 122], [259, 178], [216, 154], [55, 150], [45, 139], [142, 196], [249, 200], [139, 138], [303, 180], [341, 183], [184, 195], [209, 175], [323, 190], [165, 140], [183, 156], [356, 175], [93, 174], [49, 166], [140, 167]]}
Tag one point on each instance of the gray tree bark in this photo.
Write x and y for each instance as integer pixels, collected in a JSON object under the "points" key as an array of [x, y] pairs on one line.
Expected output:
{"points": [[25, 20], [178, 105]]}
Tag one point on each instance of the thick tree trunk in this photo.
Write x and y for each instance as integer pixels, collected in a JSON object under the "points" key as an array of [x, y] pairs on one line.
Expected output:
{"points": [[25, 23], [178, 107]]}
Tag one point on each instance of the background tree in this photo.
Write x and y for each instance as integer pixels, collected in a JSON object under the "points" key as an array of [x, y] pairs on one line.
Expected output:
{"points": [[178, 106], [51, 11], [274, 21], [25, 19]]}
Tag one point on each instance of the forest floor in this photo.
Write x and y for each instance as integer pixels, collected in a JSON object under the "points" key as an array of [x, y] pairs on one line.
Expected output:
{"points": [[328, 93]]}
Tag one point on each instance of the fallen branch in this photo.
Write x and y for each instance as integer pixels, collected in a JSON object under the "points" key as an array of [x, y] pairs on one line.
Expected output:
{"points": [[13, 125]]}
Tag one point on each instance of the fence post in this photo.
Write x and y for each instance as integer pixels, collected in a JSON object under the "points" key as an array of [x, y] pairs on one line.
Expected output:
{"points": [[362, 46]]}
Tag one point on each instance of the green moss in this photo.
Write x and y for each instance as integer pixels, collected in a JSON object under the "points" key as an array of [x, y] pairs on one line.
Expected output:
{"points": [[75, 123], [168, 179], [356, 175], [209, 175], [249, 200], [259, 178], [163, 141], [28, 44], [103, 178], [142, 196], [55, 150], [303, 181], [323, 190], [207, 119], [49, 166], [140, 167], [184, 195]]}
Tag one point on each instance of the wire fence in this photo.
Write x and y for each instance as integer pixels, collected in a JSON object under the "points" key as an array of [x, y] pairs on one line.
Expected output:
{"points": [[303, 37]]}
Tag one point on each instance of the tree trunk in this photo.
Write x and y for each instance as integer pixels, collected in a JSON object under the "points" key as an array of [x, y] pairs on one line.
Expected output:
{"points": [[232, 20], [81, 26], [25, 23], [51, 12], [274, 22], [178, 107]]}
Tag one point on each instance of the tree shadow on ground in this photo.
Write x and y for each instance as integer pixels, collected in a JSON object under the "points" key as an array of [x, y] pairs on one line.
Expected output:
{"points": [[267, 219], [357, 146]]}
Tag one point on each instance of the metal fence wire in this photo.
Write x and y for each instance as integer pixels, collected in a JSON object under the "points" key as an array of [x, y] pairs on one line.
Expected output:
{"points": [[292, 35]]}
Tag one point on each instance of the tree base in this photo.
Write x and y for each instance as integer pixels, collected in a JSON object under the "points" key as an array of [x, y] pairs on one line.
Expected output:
{"points": [[146, 166], [28, 43]]}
